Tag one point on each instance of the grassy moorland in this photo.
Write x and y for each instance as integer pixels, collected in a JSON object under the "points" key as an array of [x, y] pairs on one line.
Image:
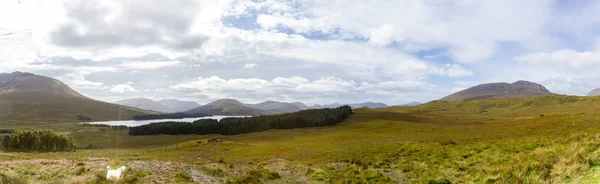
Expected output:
{"points": [[550, 139]]}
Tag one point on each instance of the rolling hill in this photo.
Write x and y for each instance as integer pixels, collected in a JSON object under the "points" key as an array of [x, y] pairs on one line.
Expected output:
{"points": [[357, 105], [34, 98], [226, 107], [301, 105], [369, 105], [144, 103], [411, 104], [273, 107], [178, 105], [516, 90], [318, 106]]}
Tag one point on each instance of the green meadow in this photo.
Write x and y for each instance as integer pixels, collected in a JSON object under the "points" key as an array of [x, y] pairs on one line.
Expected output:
{"points": [[549, 139]]}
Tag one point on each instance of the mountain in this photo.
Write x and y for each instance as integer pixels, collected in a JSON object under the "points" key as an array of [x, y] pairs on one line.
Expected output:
{"points": [[357, 105], [273, 107], [26, 97], [369, 105], [301, 105], [317, 106], [411, 104], [18, 82], [517, 90], [144, 103], [594, 92], [178, 105], [226, 107]]}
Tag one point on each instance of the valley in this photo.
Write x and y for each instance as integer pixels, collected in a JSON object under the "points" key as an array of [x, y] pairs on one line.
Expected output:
{"points": [[506, 137], [519, 140]]}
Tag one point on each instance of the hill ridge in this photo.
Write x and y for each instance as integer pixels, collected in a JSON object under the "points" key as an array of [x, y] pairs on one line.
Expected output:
{"points": [[30, 97], [500, 90]]}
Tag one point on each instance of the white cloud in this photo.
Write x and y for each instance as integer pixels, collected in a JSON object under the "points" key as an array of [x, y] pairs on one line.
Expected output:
{"points": [[470, 29], [250, 66], [296, 88], [78, 81], [564, 57], [122, 88], [147, 65], [454, 70], [335, 50]]}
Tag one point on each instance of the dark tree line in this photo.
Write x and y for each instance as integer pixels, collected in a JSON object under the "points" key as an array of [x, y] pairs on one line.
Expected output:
{"points": [[179, 115], [6, 131], [233, 126], [38, 140], [111, 127]]}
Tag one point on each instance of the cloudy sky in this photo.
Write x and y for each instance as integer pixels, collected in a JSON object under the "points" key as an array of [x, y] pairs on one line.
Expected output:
{"points": [[317, 52]]}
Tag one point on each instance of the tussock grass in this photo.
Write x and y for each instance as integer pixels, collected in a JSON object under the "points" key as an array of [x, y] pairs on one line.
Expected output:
{"points": [[13, 178], [183, 177], [214, 172]]}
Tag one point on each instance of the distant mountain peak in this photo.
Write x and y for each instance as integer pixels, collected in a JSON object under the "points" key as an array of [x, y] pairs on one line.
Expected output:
{"points": [[225, 101], [179, 105], [594, 92], [301, 105], [516, 90], [144, 103], [21, 74], [28, 82], [268, 102], [356, 105], [33, 96], [226, 107], [368, 104], [275, 107], [414, 103]]}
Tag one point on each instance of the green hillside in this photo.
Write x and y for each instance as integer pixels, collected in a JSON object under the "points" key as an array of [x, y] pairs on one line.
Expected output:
{"points": [[38, 107], [29, 98]]}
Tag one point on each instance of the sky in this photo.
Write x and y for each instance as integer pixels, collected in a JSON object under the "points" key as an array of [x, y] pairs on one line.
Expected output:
{"points": [[312, 51]]}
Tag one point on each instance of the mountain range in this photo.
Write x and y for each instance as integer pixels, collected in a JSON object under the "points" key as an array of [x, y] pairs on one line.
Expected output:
{"points": [[273, 107], [517, 90], [178, 105], [234, 107], [226, 107], [231, 106], [411, 104], [166, 106], [144, 103], [35, 98]]}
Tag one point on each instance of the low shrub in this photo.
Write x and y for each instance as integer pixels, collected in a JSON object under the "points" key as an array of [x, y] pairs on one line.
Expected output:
{"points": [[183, 177], [214, 172], [13, 178], [264, 173], [247, 179]]}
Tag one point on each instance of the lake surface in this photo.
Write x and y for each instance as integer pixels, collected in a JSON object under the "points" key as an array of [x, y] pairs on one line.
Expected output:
{"points": [[131, 123]]}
